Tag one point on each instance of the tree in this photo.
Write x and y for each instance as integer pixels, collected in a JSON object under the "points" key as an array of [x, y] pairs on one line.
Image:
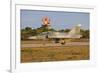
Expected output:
{"points": [[25, 33], [84, 33], [66, 30]]}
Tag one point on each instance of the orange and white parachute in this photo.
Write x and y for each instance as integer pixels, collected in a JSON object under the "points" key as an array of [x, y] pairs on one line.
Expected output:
{"points": [[45, 21]]}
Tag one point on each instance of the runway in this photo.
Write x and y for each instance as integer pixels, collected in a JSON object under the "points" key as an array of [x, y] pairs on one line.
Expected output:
{"points": [[30, 45]]}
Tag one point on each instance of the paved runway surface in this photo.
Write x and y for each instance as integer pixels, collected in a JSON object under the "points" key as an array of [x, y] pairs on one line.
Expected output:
{"points": [[30, 45]]}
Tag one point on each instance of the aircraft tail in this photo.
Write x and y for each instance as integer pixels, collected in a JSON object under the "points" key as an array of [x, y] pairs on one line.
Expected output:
{"points": [[75, 30]]}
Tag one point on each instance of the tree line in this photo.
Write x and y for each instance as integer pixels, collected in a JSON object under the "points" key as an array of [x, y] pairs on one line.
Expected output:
{"points": [[28, 31]]}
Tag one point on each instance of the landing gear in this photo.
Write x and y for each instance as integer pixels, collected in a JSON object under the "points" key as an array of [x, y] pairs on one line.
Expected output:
{"points": [[57, 40], [63, 42]]}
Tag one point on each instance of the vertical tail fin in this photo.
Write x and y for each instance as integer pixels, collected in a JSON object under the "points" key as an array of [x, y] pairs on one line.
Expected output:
{"points": [[75, 30]]}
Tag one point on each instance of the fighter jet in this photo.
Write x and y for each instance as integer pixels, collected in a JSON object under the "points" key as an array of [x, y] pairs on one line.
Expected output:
{"points": [[58, 36]]}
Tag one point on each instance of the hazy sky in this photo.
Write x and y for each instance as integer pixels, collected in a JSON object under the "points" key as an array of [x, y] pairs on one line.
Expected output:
{"points": [[59, 20]]}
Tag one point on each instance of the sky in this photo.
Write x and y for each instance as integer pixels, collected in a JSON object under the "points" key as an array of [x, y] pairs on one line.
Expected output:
{"points": [[59, 19]]}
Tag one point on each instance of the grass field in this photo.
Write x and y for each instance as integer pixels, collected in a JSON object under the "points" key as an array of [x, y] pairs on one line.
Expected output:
{"points": [[44, 54]]}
